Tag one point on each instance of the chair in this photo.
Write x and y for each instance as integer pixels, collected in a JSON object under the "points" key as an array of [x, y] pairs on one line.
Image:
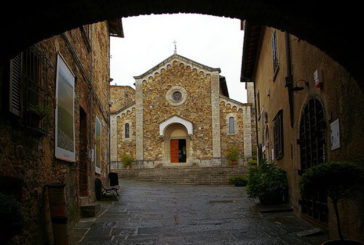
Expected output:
{"points": [[114, 181], [103, 193]]}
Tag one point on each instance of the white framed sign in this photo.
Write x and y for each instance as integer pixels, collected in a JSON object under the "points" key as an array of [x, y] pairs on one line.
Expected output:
{"points": [[64, 116], [97, 145], [335, 134]]}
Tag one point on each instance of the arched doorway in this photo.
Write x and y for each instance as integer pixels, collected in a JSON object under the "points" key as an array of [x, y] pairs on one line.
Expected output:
{"points": [[312, 152], [176, 145]]}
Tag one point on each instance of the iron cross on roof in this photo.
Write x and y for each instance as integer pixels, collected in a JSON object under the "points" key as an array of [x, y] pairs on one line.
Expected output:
{"points": [[175, 46]]}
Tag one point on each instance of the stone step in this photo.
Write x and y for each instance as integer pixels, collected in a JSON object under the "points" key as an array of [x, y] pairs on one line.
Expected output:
{"points": [[184, 175], [90, 210]]}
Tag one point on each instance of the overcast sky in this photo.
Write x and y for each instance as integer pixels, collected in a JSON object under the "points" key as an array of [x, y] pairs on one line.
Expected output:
{"points": [[213, 41]]}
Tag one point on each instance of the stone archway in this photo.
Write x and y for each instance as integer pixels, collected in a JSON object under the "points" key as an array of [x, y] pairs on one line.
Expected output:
{"points": [[332, 28], [176, 146]]}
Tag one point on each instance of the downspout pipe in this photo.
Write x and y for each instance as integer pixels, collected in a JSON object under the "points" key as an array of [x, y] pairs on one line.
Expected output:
{"points": [[289, 79], [259, 150]]}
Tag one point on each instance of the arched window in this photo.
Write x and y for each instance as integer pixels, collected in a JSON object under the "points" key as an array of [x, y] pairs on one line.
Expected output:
{"points": [[231, 125], [127, 130]]}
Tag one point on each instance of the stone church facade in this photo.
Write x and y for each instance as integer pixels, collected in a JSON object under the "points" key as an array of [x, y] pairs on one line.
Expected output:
{"points": [[179, 115]]}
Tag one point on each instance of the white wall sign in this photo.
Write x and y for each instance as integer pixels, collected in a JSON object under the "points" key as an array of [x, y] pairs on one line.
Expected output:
{"points": [[64, 116], [335, 134], [98, 145]]}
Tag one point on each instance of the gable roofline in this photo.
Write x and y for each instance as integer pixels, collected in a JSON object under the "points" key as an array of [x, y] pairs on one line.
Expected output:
{"points": [[237, 103], [123, 108], [178, 57]]}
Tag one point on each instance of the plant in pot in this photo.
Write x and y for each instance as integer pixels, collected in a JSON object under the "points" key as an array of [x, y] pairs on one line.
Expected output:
{"points": [[339, 180], [232, 156], [268, 183], [127, 160]]}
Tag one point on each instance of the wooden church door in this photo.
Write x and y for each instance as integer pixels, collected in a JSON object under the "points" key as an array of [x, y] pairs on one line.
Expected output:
{"points": [[174, 150]]}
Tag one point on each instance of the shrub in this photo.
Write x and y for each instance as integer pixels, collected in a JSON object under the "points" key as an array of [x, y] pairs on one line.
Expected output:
{"points": [[337, 179], [232, 155], [126, 159], [268, 183], [238, 180]]}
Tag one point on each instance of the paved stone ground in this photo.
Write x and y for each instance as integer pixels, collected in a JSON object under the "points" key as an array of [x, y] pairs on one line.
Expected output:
{"points": [[154, 213]]}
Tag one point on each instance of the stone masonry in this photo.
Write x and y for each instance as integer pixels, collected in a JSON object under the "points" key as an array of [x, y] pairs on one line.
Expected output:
{"points": [[202, 112]]}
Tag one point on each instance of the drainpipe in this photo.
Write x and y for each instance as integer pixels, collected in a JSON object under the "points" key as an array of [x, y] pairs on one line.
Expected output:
{"points": [[259, 151], [108, 106], [91, 93], [289, 79]]}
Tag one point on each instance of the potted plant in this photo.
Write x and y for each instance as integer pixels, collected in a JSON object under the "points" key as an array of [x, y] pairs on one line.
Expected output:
{"points": [[339, 180], [232, 156], [127, 160], [268, 183]]}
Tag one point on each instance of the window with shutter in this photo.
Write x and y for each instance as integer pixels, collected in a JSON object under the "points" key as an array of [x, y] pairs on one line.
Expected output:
{"points": [[275, 54], [28, 98], [15, 85], [278, 135]]}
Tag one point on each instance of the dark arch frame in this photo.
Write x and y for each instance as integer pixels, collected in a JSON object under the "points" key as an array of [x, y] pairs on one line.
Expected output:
{"points": [[313, 151], [332, 28]]}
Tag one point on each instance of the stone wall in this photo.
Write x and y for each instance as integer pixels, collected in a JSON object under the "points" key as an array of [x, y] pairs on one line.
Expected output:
{"points": [[196, 108], [228, 140], [121, 96], [198, 117], [29, 155], [126, 145]]}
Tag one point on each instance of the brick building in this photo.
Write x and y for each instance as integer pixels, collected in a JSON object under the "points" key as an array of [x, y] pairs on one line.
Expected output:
{"points": [[54, 126], [180, 115], [309, 110]]}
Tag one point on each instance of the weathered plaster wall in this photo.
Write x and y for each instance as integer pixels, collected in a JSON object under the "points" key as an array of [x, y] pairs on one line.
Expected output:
{"points": [[341, 98]]}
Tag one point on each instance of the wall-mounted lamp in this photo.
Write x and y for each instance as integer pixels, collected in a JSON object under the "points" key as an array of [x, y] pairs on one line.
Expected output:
{"points": [[298, 88]]}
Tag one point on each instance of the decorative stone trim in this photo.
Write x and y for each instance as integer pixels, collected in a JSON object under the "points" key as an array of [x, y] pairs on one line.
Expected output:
{"points": [[124, 111], [229, 102], [173, 99], [176, 119], [164, 65]]}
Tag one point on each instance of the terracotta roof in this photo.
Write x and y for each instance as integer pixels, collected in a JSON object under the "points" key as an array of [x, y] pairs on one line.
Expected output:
{"points": [[116, 27], [252, 39]]}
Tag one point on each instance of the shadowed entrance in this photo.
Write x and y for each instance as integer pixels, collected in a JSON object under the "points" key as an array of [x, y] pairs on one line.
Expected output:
{"points": [[176, 141]]}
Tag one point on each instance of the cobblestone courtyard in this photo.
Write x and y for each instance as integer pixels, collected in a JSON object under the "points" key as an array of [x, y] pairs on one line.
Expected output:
{"points": [[154, 213]]}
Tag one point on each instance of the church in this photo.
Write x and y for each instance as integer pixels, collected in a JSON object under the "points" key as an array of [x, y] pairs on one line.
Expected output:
{"points": [[179, 114]]}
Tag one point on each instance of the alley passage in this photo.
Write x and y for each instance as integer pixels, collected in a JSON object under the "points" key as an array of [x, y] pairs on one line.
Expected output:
{"points": [[154, 213]]}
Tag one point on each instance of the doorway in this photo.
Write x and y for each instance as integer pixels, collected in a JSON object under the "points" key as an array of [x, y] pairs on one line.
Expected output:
{"points": [[178, 150], [313, 152]]}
